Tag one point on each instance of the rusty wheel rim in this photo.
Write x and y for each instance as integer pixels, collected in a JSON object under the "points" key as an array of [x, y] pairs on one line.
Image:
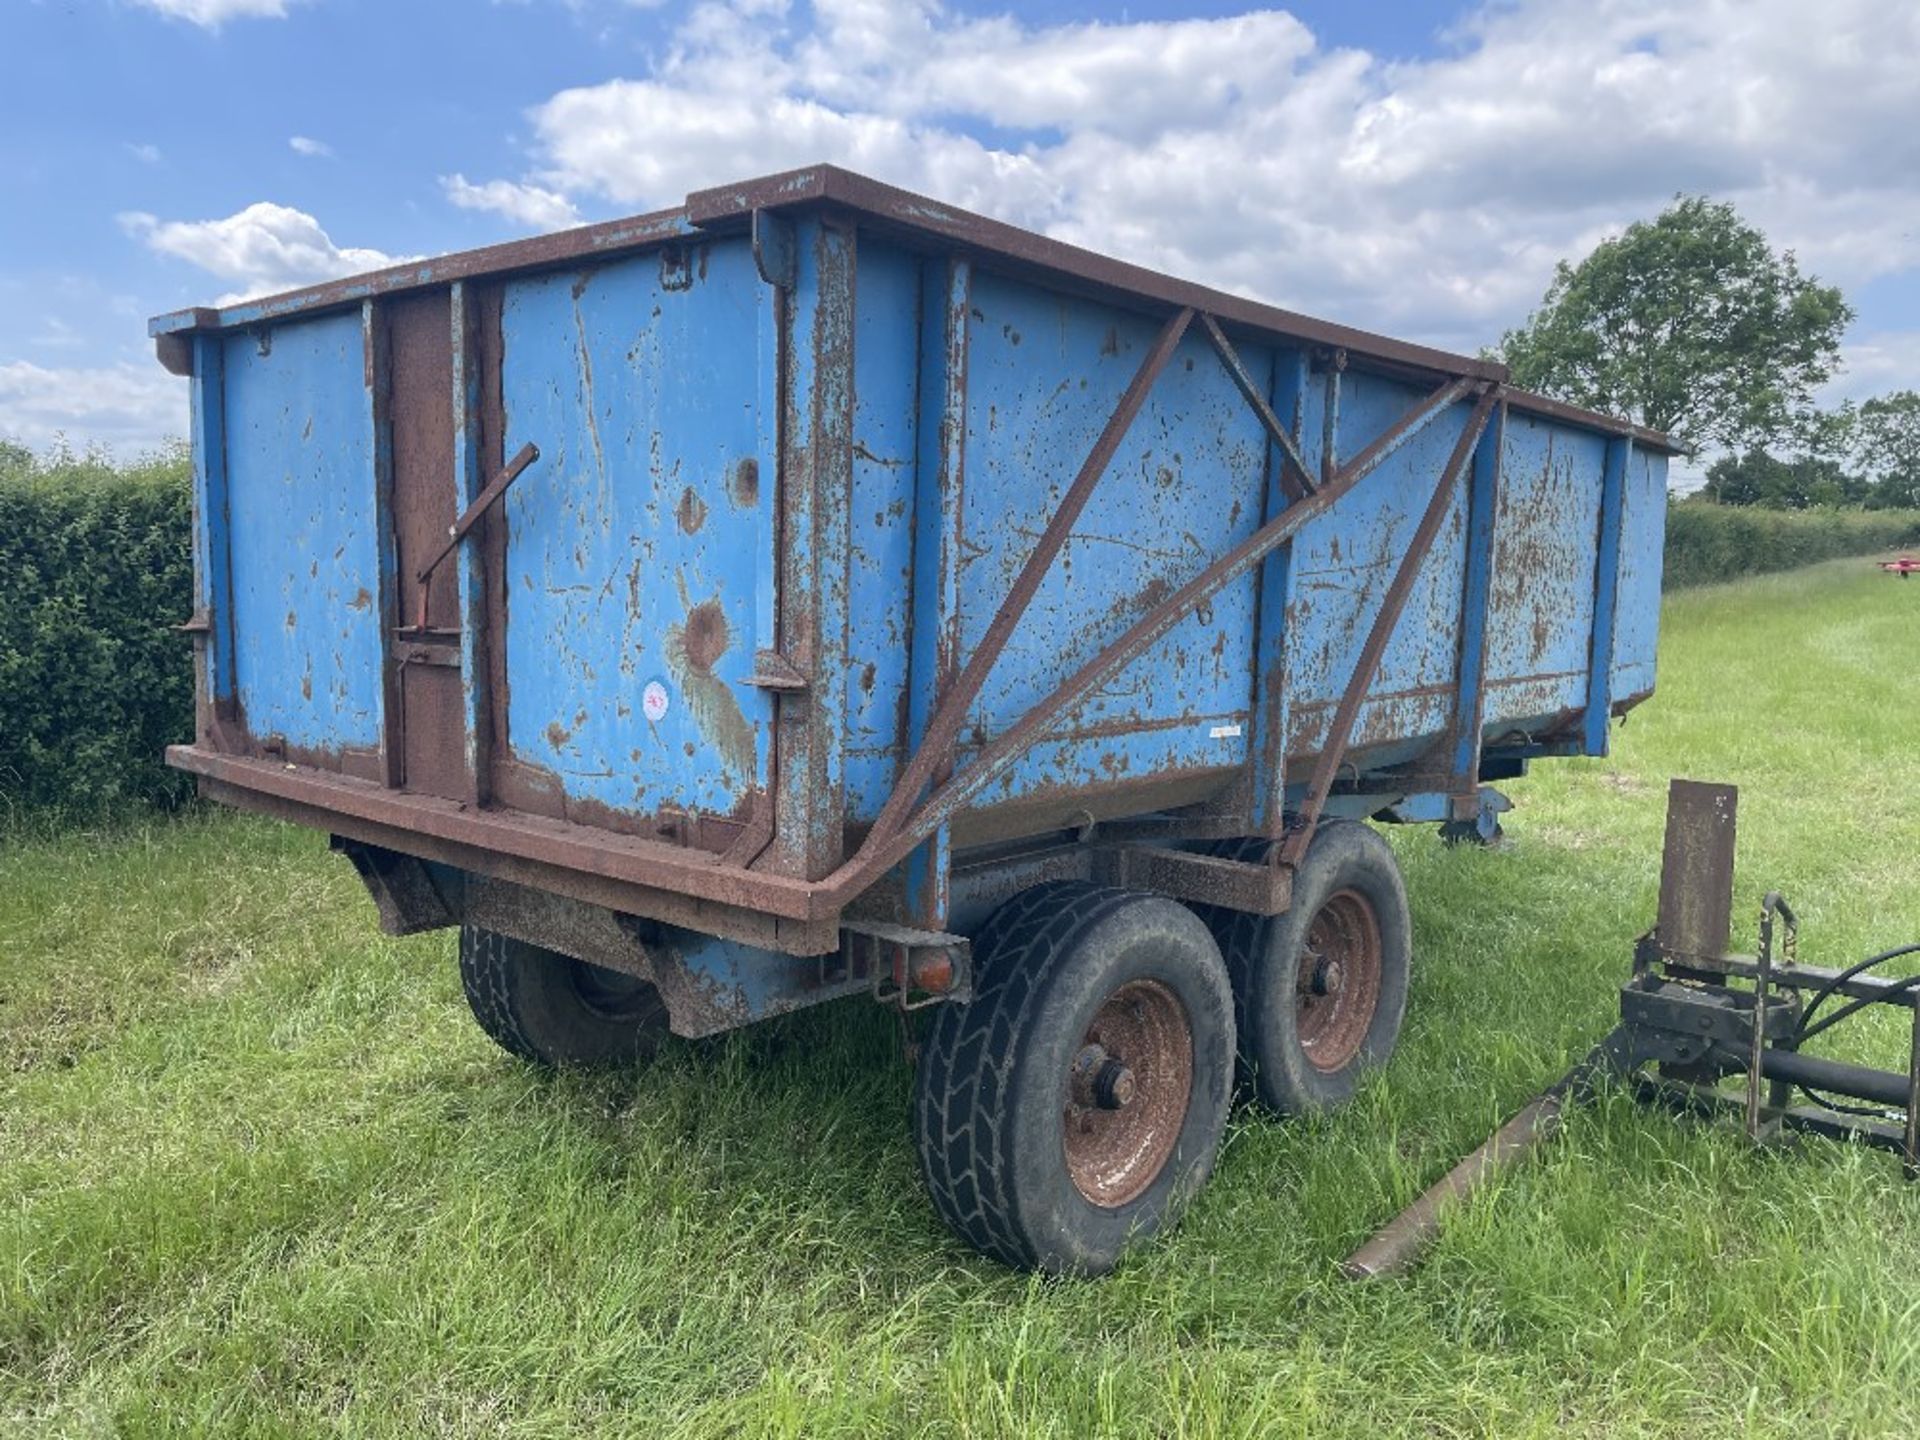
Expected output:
{"points": [[1336, 981], [1127, 1087]]}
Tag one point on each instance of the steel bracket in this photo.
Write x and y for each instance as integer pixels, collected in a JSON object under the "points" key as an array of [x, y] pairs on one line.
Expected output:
{"points": [[775, 254]]}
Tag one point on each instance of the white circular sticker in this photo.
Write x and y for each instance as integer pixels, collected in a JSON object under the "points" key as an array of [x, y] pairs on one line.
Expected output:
{"points": [[653, 702]]}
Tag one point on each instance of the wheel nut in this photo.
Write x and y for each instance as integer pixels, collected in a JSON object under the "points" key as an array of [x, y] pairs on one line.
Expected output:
{"points": [[1327, 978]]}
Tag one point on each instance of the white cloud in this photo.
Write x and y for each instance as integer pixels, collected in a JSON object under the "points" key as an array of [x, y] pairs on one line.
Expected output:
{"points": [[1876, 362], [1429, 198], [526, 205], [259, 250], [311, 148], [145, 154], [212, 14], [128, 407]]}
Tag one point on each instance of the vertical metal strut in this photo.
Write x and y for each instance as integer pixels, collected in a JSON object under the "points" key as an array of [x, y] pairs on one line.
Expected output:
{"points": [[1340, 730]]}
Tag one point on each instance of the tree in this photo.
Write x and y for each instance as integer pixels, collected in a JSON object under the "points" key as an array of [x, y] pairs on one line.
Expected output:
{"points": [[1888, 439], [1757, 478], [1688, 323]]}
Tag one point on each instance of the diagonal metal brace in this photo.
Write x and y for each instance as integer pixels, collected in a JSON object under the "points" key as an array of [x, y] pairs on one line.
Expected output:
{"points": [[470, 517], [936, 745], [881, 850], [1340, 730], [1295, 479]]}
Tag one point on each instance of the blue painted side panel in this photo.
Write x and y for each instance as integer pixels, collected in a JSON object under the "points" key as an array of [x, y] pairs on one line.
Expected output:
{"points": [[1642, 548], [1044, 373], [1546, 533], [881, 533], [212, 578], [640, 563], [625, 562], [304, 534], [1344, 562]]}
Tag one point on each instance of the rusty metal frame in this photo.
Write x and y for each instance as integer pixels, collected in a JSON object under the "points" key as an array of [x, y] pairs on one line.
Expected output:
{"points": [[897, 832], [943, 729], [803, 911], [1295, 478], [804, 903], [925, 221]]}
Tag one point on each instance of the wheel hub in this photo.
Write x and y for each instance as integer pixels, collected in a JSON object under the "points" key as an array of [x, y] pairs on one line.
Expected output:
{"points": [[612, 995], [1337, 980], [1100, 1081], [1127, 1089]]}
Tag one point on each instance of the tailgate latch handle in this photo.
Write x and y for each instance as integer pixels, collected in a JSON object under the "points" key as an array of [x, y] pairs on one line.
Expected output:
{"points": [[470, 517]]}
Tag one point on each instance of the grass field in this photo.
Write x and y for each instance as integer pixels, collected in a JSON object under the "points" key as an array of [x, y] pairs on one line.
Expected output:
{"points": [[261, 1173]]}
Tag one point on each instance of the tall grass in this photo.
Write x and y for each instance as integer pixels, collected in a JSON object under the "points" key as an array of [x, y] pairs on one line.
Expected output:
{"points": [[260, 1174]]}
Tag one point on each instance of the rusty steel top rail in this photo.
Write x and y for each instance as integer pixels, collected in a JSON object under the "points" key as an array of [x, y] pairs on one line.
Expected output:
{"points": [[727, 208]]}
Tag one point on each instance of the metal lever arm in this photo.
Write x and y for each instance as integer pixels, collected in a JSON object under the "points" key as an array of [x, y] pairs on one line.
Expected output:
{"points": [[470, 517]]}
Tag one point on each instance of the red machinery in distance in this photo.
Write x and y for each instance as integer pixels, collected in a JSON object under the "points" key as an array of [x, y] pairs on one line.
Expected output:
{"points": [[1903, 567]]}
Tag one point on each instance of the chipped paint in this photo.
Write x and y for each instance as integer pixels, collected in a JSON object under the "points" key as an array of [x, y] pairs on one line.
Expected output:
{"points": [[771, 524]]}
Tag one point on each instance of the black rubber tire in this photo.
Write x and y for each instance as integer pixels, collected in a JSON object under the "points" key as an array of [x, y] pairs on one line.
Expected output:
{"points": [[554, 1010], [990, 1092], [1262, 952]]}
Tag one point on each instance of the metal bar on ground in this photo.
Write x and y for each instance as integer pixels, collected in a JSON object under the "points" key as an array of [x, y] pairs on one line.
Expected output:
{"points": [[1911, 1160], [1402, 1240], [1334, 748]]}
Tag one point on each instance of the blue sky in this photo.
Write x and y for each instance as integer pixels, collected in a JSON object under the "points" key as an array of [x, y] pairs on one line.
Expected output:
{"points": [[1415, 168]]}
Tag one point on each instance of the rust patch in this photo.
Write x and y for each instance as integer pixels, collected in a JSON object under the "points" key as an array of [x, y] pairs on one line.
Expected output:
{"points": [[743, 486], [692, 512], [703, 639], [558, 735], [1111, 345], [692, 650], [362, 599]]}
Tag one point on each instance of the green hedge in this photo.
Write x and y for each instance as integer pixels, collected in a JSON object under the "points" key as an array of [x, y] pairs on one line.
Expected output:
{"points": [[96, 569], [1708, 542]]}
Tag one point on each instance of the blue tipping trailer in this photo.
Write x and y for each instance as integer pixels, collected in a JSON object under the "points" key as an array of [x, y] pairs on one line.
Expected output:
{"points": [[815, 589]]}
